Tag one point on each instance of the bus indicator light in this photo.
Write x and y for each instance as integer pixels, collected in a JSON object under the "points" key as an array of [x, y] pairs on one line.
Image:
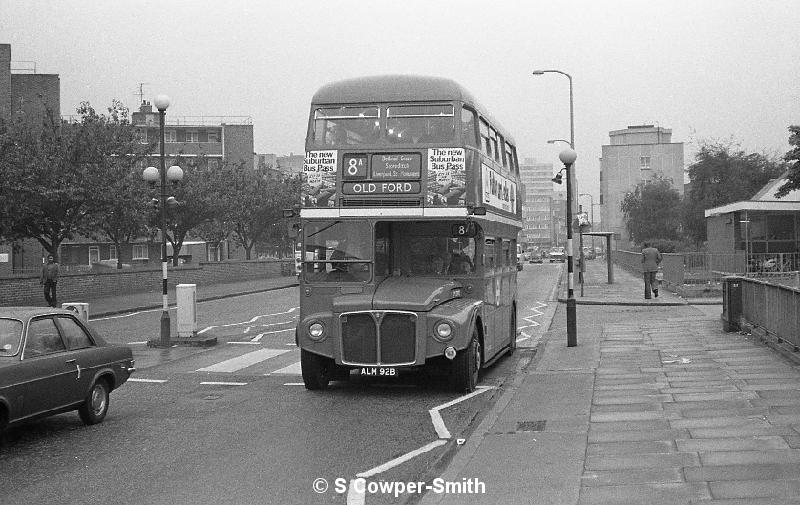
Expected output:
{"points": [[450, 353]]}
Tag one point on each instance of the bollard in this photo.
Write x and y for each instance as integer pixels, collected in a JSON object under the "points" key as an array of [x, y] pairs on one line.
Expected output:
{"points": [[80, 309], [186, 296]]}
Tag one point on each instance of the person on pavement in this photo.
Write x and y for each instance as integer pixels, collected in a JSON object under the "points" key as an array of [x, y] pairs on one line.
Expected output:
{"points": [[651, 259], [49, 279]]}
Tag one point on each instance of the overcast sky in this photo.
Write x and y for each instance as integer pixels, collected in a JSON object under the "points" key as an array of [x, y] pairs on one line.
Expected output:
{"points": [[707, 69]]}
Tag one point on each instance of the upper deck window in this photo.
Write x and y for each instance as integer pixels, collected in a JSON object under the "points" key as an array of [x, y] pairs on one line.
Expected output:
{"points": [[468, 121], [340, 126], [485, 141], [420, 124]]}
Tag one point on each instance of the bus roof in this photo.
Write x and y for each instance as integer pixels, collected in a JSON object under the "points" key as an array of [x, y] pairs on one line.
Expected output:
{"points": [[399, 88]]}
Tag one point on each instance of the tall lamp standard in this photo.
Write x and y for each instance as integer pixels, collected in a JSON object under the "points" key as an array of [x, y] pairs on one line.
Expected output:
{"points": [[568, 157], [571, 107], [174, 175]]}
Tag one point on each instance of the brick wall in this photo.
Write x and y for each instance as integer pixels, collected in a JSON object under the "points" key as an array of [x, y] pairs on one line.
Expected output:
{"points": [[25, 290]]}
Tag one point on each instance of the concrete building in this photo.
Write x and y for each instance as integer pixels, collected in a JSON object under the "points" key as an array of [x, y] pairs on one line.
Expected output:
{"points": [[635, 154], [537, 211], [202, 139], [32, 96]]}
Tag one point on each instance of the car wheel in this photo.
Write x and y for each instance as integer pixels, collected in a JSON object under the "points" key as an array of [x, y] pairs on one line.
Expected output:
{"points": [[467, 366], [315, 370], [94, 409]]}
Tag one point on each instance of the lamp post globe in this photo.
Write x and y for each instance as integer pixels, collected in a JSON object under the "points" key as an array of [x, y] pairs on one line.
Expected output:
{"points": [[150, 174], [568, 156], [161, 102], [174, 173]]}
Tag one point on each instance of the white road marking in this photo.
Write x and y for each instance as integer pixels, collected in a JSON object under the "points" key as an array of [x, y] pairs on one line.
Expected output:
{"points": [[436, 417], [293, 369], [260, 335], [138, 343], [224, 383], [249, 321], [243, 361], [294, 384], [154, 381], [356, 498]]}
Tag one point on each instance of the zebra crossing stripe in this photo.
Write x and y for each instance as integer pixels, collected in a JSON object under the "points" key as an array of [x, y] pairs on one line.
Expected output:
{"points": [[243, 361]]}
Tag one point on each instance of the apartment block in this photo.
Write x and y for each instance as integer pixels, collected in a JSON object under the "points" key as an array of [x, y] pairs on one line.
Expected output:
{"points": [[636, 154], [201, 139], [537, 210]]}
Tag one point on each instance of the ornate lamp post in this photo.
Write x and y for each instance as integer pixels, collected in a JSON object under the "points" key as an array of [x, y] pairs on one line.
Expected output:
{"points": [[174, 175]]}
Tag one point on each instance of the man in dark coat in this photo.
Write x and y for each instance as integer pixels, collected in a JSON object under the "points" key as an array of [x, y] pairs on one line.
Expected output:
{"points": [[651, 259], [49, 279]]}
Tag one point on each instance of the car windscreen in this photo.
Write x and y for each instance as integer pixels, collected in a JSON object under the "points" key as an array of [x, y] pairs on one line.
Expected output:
{"points": [[10, 336]]}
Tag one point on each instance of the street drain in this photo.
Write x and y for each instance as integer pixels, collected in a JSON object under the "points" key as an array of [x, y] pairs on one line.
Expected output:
{"points": [[531, 425]]}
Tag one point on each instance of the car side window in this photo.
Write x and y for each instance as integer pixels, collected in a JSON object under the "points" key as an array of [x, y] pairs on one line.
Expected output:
{"points": [[73, 333], [43, 338]]}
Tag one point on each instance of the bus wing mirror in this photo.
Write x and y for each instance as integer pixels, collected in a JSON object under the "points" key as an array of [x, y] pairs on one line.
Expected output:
{"points": [[288, 213], [479, 211]]}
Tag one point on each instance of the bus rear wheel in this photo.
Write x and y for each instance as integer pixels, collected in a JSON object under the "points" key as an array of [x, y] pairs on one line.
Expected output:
{"points": [[467, 366], [315, 370]]}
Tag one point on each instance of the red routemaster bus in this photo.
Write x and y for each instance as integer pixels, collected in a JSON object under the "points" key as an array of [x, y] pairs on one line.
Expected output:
{"points": [[408, 226]]}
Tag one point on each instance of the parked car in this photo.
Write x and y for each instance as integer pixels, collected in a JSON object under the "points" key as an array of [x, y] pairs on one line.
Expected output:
{"points": [[52, 362], [557, 254]]}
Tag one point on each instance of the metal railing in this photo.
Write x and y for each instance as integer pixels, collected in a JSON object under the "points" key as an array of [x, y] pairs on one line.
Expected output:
{"points": [[772, 307], [710, 268]]}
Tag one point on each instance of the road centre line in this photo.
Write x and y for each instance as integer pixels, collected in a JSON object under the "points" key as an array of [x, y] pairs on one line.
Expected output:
{"points": [[258, 337], [243, 361], [250, 321], [154, 381], [223, 383]]}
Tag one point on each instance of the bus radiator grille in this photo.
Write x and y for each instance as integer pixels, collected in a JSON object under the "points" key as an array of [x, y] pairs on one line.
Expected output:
{"points": [[363, 332], [359, 339], [398, 337]]}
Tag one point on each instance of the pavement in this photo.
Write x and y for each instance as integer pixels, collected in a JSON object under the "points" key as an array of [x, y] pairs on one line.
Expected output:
{"points": [[655, 405]]}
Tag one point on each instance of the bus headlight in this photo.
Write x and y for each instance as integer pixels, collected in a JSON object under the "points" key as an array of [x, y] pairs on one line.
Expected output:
{"points": [[316, 331], [443, 331]]}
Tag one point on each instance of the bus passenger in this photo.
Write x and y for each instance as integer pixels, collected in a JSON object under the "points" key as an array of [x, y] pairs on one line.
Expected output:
{"points": [[437, 265], [340, 271], [460, 263]]}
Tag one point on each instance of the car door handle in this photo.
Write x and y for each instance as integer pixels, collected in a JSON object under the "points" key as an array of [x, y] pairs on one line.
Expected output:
{"points": [[74, 362]]}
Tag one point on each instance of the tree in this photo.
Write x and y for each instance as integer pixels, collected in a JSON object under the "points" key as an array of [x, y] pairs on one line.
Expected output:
{"points": [[58, 176], [723, 173], [201, 200], [792, 157], [255, 203], [652, 210]]}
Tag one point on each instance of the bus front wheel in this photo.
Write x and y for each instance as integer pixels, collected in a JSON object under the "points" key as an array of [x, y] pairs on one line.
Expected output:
{"points": [[466, 366], [315, 370]]}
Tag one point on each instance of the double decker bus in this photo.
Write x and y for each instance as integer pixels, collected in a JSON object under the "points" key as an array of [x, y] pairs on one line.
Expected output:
{"points": [[411, 205]]}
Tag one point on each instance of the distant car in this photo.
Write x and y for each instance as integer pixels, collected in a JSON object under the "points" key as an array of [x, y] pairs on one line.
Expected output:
{"points": [[52, 362], [557, 254], [588, 253], [536, 257]]}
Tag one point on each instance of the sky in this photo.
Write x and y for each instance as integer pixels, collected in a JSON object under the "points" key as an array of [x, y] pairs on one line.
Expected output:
{"points": [[708, 70]]}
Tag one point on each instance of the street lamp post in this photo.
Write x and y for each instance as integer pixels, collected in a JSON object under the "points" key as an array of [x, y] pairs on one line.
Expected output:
{"points": [[568, 157], [174, 175]]}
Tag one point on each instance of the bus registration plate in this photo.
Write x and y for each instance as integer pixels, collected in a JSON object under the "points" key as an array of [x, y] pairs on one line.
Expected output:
{"points": [[379, 371]]}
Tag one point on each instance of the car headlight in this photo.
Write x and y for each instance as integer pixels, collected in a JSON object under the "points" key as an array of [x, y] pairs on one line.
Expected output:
{"points": [[443, 331], [316, 331]]}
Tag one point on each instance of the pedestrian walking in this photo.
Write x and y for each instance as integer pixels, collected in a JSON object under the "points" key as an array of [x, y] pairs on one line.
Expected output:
{"points": [[651, 259], [49, 279]]}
